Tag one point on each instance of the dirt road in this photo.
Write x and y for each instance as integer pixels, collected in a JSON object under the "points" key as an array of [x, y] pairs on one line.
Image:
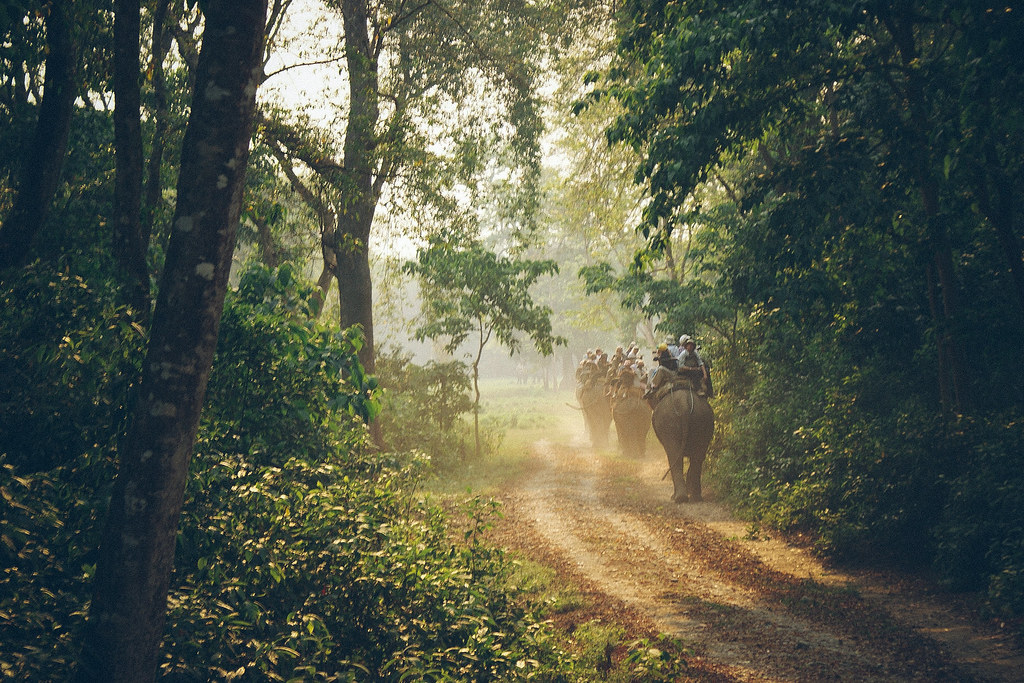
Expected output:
{"points": [[750, 609]]}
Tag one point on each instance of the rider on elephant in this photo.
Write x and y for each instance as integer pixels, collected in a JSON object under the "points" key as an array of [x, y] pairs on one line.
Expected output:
{"points": [[689, 358], [670, 375], [625, 383], [588, 369], [617, 359], [665, 377]]}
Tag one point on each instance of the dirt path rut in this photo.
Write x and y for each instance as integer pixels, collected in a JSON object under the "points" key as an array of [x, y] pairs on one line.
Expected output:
{"points": [[750, 609]]}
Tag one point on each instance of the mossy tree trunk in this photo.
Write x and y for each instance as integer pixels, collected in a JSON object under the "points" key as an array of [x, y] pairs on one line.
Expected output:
{"points": [[126, 617]]}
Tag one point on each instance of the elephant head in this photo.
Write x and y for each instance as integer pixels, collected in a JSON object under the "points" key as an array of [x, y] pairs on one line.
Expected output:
{"points": [[684, 424]]}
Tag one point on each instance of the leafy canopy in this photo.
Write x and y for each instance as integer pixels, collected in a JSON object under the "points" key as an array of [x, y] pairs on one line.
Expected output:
{"points": [[468, 288]]}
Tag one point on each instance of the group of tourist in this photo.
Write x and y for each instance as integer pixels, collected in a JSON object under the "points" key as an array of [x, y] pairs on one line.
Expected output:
{"points": [[625, 374]]}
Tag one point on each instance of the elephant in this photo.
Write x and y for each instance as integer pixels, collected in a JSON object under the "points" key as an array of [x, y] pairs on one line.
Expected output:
{"points": [[632, 418], [684, 424], [597, 412]]}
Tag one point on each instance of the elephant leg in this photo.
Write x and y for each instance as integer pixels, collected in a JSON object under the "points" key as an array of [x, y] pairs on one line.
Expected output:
{"points": [[675, 466], [672, 433], [693, 473]]}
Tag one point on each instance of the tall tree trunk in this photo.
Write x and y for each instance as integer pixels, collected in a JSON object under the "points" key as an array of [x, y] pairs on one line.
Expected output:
{"points": [[951, 362], [951, 358], [131, 246], [482, 342], [942, 350], [44, 158], [126, 618], [152, 198], [355, 289], [355, 296], [328, 249]]}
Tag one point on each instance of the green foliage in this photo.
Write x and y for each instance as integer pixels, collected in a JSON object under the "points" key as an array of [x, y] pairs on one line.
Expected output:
{"points": [[69, 354], [813, 449], [595, 642], [424, 406], [280, 377], [659, 660], [833, 171], [470, 290], [50, 524], [301, 556], [979, 536], [311, 571]]}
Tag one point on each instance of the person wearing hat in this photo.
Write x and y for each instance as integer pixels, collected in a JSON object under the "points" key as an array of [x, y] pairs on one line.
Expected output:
{"points": [[664, 377], [689, 358]]}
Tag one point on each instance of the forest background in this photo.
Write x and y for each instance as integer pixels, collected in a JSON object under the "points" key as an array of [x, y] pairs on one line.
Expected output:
{"points": [[826, 194]]}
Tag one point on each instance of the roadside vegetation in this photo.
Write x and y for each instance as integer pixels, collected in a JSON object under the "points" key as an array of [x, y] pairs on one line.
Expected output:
{"points": [[831, 207]]}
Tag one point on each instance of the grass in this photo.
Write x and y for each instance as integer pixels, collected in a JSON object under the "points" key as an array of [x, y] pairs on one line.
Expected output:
{"points": [[527, 410], [512, 417], [539, 583]]}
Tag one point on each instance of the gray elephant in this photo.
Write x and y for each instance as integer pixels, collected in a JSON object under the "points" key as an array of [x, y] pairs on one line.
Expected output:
{"points": [[684, 424], [597, 412], [632, 418]]}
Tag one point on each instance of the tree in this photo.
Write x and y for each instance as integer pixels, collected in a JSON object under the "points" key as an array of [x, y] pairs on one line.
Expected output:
{"points": [[859, 165], [136, 555], [792, 92], [131, 243], [468, 290], [433, 89], [44, 156]]}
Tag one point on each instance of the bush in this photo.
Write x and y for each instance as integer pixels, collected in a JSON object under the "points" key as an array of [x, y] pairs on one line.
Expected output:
{"points": [[817, 450], [837, 449], [980, 535], [50, 525], [424, 407], [69, 352], [307, 571], [279, 377]]}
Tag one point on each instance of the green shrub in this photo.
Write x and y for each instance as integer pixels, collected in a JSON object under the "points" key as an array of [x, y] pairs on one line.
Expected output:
{"points": [[980, 535], [816, 449], [660, 660], [50, 525], [305, 570], [68, 354], [425, 406], [834, 446], [279, 377]]}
